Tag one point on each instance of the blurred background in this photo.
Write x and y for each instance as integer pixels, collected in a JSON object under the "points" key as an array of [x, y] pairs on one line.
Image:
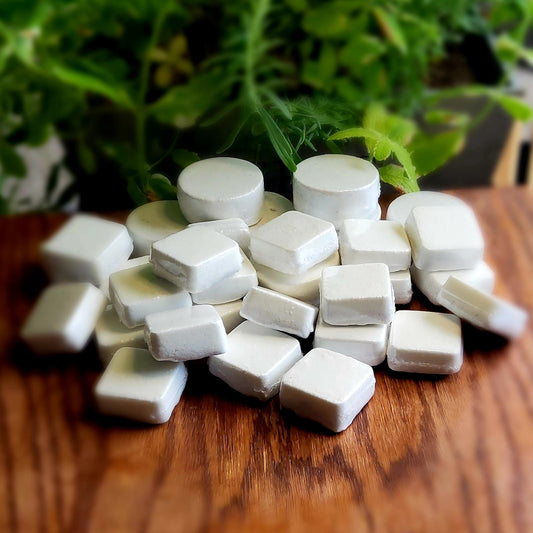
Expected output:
{"points": [[103, 102]]}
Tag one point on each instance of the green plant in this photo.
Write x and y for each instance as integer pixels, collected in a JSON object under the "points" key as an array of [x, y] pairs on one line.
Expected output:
{"points": [[136, 88]]}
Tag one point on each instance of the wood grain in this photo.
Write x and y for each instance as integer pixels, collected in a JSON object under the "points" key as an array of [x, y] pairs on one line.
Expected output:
{"points": [[440, 455], [505, 173]]}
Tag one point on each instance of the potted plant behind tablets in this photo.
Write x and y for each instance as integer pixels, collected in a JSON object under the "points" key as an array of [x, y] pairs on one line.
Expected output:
{"points": [[134, 92]]}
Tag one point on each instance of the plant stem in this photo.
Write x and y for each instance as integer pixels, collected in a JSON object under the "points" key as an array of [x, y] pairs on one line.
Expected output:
{"points": [[140, 117], [481, 116], [259, 14]]}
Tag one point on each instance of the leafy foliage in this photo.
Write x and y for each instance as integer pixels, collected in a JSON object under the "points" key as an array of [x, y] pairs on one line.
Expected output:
{"points": [[135, 88]]}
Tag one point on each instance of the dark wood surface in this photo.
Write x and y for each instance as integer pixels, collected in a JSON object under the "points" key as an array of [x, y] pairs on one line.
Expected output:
{"points": [[441, 455]]}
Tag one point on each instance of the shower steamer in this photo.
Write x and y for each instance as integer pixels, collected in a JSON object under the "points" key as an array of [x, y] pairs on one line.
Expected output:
{"points": [[353, 295], [425, 342], [375, 241], [137, 292], [196, 258], [256, 360], [219, 188], [444, 237], [63, 318], [293, 242], [234, 228], [111, 335], [152, 222], [279, 311], [367, 344], [336, 187], [482, 309], [430, 283], [184, 334], [400, 208], [86, 248], [327, 387], [134, 385]]}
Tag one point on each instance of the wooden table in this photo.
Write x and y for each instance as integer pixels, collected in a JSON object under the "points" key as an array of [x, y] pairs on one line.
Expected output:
{"points": [[426, 455]]}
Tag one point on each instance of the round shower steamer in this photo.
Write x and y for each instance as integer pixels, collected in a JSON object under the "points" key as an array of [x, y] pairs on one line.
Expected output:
{"points": [[221, 187], [336, 187]]}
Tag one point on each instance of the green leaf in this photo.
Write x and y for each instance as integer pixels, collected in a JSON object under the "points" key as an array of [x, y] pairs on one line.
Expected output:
{"points": [[123, 154], [381, 149], [326, 21], [431, 152], [233, 132], [36, 130], [160, 188], [390, 29], [281, 144], [12, 164], [401, 154], [297, 5], [352, 133], [465, 91], [184, 158], [395, 176], [516, 107], [320, 73], [397, 128], [138, 196], [182, 105], [444, 116], [511, 50], [404, 157], [277, 102], [92, 83], [23, 48], [5, 53], [361, 50]]}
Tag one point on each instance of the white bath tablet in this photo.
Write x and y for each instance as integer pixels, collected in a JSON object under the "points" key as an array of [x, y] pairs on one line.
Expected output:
{"points": [[425, 343], [279, 311], [274, 205], [230, 314], [111, 334], [256, 360], [482, 309], [367, 344], [233, 228], [152, 222], [63, 318], [304, 286], [293, 242], [136, 386], [353, 295], [221, 187], [327, 387], [400, 208], [402, 287], [376, 215], [86, 248], [336, 187], [444, 237], [185, 334], [197, 257], [137, 292], [143, 260], [374, 241], [231, 288], [430, 283]]}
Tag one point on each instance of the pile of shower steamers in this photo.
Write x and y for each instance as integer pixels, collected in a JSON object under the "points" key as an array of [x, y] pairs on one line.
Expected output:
{"points": [[234, 274]]}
